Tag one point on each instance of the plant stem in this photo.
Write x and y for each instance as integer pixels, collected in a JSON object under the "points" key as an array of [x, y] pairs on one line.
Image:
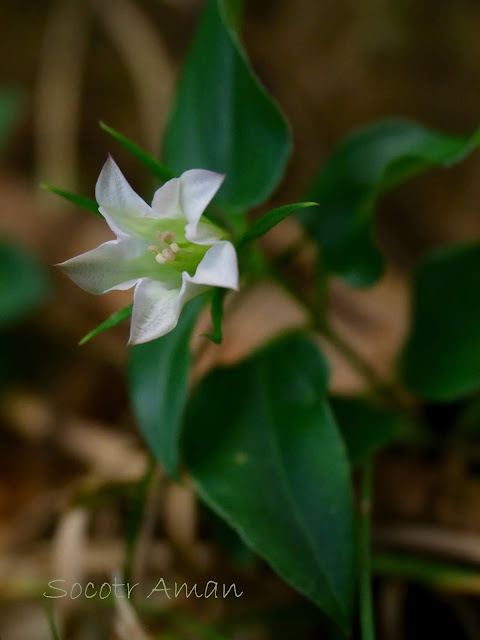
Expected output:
{"points": [[388, 390], [365, 562], [319, 322], [353, 358], [136, 518]]}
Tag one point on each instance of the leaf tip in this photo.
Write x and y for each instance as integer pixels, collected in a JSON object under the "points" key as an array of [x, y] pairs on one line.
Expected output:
{"points": [[105, 127]]}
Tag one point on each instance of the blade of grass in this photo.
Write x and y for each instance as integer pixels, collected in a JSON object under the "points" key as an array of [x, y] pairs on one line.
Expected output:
{"points": [[434, 573], [201, 630], [110, 322], [136, 518], [81, 201], [52, 623], [270, 220], [367, 623], [157, 168]]}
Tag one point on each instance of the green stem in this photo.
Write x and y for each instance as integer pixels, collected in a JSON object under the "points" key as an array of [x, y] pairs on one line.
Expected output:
{"points": [[136, 518], [432, 573], [353, 358], [389, 391], [365, 561]]}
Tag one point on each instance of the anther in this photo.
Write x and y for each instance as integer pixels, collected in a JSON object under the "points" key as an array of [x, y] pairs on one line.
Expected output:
{"points": [[168, 254], [160, 259], [174, 247], [165, 237], [153, 248]]}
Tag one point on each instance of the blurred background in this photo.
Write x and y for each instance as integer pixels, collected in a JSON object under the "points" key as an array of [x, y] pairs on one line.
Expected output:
{"points": [[72, 461]]}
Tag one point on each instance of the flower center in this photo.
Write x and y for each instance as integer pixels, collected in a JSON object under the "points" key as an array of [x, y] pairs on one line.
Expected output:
{"points": [[169, 250], [184, 258]]}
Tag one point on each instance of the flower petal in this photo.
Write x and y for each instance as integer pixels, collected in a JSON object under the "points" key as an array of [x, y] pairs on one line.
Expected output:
{"points": [[166, 201], [218, 268], [203, 232], [117, 201], [156, 310], [188, 196], [157, 305], [197, 188], [107, 267]]}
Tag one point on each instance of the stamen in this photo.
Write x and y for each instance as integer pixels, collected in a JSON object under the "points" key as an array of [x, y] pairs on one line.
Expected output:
{"points": [[166, 237], [170, 249], [168, 254]]}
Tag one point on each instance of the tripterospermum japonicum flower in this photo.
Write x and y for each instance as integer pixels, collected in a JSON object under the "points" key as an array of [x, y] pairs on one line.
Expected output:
{"points": [[166, 251]]}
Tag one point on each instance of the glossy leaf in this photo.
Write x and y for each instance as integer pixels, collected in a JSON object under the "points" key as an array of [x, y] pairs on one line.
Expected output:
{"points": [[223, 118], [232, 11], [266, 455], [24, 283], [89, 204], [158, 375], [441, 361], [365, 427], [149, 162], [109, 323], [362, 167], [266, 222]]}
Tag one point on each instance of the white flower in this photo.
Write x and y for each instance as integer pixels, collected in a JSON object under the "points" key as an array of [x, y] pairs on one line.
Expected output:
{"points": [[165, 251]]}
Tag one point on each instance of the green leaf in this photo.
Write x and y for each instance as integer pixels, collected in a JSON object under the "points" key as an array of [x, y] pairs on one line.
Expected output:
{"points": [[365, 427], [218, 297], [223, 118], [149, 162], [24, 283], [366, 164], [441, 361], [158, 375], [228, 540], [110, 322], [271, 219], [266, 455], [81, 201], [232, 11]]}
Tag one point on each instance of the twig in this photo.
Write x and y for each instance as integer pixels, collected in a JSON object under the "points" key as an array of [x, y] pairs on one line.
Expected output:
{"points": [[449, 543]]}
